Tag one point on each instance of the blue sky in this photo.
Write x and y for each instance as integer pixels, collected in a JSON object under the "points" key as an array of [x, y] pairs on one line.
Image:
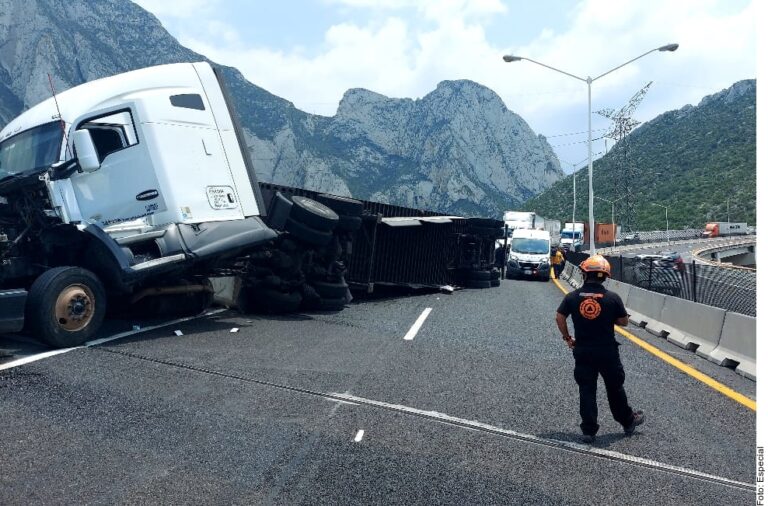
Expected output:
{"points": [[311, 51]]}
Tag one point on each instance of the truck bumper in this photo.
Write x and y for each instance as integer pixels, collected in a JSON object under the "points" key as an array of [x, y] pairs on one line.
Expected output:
{"points": [[12, 303], [541, 272]]}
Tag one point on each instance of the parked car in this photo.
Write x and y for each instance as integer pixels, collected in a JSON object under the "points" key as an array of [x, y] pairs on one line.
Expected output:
{"points": [[660, 272], [631, 238]]}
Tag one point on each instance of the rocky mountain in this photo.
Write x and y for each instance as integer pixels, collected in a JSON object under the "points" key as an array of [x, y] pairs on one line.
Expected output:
{"points": [[457, 150], [699, 161]]}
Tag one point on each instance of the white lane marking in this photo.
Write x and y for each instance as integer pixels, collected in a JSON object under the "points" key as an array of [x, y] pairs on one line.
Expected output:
{"points": [[47, 354], [552, 443], [359, 436], [417, 325], [34, 358]]}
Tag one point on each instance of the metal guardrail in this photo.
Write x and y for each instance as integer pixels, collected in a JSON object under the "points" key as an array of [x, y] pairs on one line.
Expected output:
{"points": [[726, 288]]}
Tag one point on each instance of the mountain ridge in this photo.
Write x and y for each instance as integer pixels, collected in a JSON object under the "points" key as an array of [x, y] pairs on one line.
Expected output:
{"points": [[457, 150], [699, 161]]}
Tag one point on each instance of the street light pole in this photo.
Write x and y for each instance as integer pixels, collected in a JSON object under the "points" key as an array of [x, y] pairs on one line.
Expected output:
{"points": [[666, 217], [589, 80]]}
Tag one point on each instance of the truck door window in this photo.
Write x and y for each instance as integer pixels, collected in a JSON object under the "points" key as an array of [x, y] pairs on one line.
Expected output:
{"points": [[111, 133]]}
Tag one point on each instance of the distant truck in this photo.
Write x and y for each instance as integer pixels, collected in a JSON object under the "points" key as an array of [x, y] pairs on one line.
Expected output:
{"points": [[574, 236], [724, 228], [529, 254], [607, 233], [528, 220], [577, 235]]}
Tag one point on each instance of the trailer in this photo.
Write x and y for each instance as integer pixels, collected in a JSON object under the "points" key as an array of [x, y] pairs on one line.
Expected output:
{"points": [[724, 228], [137, 189]]}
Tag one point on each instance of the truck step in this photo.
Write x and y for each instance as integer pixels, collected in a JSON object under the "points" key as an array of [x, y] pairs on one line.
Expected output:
{"points": [[157, 262]]}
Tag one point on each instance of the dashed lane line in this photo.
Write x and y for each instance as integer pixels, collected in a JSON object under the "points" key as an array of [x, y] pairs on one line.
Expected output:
{"points": [[359, 436], [462, 423], [417, 324], [687, 369], [552, 443]]}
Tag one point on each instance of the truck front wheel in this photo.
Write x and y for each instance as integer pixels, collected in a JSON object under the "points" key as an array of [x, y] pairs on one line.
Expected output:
{"points": [[65, 306]]}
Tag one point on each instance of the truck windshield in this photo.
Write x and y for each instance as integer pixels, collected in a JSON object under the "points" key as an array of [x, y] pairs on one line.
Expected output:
{"points": [[30, 149], [570, 235], [530, 246]]}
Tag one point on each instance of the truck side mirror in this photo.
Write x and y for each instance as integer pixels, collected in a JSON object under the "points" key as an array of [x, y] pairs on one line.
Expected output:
{"points": [[87, 157]]}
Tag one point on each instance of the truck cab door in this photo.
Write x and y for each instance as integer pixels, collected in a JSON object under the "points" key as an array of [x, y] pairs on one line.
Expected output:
{"points": [[125, 186]]}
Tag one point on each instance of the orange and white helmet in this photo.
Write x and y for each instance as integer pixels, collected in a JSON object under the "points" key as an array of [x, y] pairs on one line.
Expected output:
{"points": [[596, 263]]}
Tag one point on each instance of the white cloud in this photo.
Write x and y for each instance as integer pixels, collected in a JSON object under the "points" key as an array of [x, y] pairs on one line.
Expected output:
{"points": [[407, 47]]}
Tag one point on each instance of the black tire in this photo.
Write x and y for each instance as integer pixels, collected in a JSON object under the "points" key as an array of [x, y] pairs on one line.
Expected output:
{"points": [[335, 304], [349, 223], [330, 290], [65, 306], [307, 234], [313, 214], [481, 275], [279, 211], [344, 206], [495, 282], [478, 283], [271, 301]]}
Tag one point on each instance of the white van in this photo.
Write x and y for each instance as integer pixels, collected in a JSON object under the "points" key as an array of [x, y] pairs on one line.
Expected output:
{"points": [[529, 254]]}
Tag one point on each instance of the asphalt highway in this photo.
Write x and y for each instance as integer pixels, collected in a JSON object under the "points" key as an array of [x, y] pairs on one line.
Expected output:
{"points": [[480, 407]]}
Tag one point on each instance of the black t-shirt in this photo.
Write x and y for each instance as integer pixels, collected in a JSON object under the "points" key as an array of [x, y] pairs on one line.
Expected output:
{"points": [[594, 311]]}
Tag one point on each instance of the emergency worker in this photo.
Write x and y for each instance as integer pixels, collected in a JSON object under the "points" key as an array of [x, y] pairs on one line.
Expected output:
{"points": [[558, 261], [594, 311]]}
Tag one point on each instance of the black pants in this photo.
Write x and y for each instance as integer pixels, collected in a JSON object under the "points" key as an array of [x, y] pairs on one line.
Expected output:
{"points": [[591, 361]]}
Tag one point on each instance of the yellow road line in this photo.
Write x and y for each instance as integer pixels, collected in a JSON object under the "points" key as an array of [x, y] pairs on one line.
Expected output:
{"points": [[694, 373]]}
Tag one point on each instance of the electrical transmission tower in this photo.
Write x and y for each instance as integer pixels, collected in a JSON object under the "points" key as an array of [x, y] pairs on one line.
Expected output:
{"points": [[626, 171]]}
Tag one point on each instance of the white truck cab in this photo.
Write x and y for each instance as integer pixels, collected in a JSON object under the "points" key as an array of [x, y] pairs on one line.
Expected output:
{"points": [[529, 253], [137, 185], [155, 146], [572, 236]]}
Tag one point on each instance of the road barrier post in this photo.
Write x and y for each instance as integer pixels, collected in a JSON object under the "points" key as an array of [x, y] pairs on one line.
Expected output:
{"points": [[693, 266], [621, 268], [650, 274]]}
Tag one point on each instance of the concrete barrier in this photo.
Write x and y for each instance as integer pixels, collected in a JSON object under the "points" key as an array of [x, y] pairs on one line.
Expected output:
{"points": [[567, 272], [621, 289], [577, 278], [644, 308], [738, 345], [691, 325]]}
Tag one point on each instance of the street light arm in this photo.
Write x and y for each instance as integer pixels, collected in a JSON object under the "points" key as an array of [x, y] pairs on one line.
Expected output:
{"points": [[509, 58], [624, 64]]}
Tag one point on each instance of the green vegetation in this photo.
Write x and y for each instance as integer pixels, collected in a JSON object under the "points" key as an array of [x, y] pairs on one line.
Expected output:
{"points": [[697, 161]]}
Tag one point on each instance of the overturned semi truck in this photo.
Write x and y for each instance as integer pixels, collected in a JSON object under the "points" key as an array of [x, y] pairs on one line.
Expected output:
{"points": [[137, 190]]}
